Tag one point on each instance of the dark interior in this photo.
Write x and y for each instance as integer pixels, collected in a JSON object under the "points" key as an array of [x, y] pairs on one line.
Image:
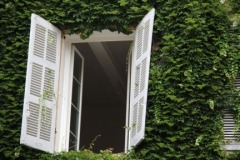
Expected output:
{"points": [[104, 95]]}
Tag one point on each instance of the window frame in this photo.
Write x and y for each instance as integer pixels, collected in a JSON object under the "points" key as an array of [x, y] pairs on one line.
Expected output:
{"points": [[66, 67], [75, 51]]}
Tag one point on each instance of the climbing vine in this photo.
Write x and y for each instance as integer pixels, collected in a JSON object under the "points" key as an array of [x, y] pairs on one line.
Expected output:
{"points": [[193, 68]]}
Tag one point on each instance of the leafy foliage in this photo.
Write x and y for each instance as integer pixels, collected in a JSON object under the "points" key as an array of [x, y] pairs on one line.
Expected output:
{"points": [[87, 155], [194, 64]]}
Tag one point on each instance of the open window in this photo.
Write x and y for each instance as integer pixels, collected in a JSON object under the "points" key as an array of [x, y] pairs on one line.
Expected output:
{"points": [[80, 90]]}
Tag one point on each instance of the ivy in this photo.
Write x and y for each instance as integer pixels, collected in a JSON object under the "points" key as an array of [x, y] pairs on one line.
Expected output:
{"points": [[193, 68], [89, 155]]}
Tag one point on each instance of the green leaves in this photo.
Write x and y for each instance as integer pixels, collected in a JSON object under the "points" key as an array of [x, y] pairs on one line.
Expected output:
{"points": [[199, 140], [192, 92], [211, 104], [123, 2], [194, 62], [135, 9], [169, 37], [174, 98], [88, 155]]}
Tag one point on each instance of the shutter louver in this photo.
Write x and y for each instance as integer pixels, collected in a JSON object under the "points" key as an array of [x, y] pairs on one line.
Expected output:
{"points": [[32, 125], [231, 135], [38, 121], [229, 124], [139, 79]]}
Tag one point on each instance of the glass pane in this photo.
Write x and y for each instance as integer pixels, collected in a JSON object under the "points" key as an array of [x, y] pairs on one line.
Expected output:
{"points": [[77, 67], [72, 142], [75, 93], [74, 121]]}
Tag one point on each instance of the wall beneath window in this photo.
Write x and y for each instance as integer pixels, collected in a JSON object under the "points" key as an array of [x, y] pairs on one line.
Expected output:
{"points": [[191, 67]]}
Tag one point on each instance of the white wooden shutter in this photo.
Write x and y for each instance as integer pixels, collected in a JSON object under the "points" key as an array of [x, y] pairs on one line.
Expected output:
{"points": [[39, 111], [139, 78], [231, 136]]}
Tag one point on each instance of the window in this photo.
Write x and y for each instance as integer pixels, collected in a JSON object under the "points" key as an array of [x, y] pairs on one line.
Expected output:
{"points": [[79, 89]]}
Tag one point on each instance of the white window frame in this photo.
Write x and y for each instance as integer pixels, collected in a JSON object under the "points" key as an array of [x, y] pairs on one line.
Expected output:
{"points": [[64, 100], [73, 51]]}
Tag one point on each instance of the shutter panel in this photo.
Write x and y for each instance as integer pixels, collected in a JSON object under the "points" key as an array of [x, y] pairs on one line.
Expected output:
{"points": [[139, 78], [39, 110], [231, 136]]}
